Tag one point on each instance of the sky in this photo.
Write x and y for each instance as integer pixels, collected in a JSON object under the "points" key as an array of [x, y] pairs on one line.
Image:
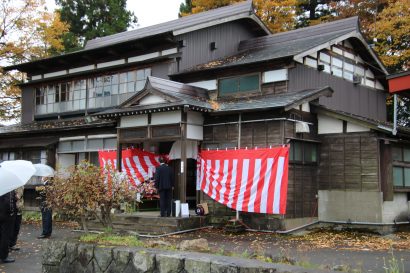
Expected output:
{"points": [[148, 12]]}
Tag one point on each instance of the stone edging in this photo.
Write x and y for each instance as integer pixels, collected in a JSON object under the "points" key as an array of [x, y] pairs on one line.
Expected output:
{"points": [[73, 257]]}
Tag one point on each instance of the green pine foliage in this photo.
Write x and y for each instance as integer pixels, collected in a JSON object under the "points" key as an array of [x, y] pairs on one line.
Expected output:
{"points": [[93, 18]]}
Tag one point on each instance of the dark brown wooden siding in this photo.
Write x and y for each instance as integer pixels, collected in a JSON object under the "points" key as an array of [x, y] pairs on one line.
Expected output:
{"points": [[27, 105], [302, 191], [349, 162], [226, 36], [355, 99]]}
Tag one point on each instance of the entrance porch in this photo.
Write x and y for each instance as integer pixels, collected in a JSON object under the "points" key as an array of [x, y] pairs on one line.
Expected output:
{"points": [[149, 222]]}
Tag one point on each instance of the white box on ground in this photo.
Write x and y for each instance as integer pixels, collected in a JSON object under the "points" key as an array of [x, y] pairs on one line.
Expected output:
{"points": [[177, 208], [184, 210]]}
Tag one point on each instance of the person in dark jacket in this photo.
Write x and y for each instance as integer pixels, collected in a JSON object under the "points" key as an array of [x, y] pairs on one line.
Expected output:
{"points": [[46, 212], [7, 216], [164, 182]]}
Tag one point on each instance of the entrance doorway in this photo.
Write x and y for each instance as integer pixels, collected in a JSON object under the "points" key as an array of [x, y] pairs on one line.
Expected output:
{"points": [[164, 147]]}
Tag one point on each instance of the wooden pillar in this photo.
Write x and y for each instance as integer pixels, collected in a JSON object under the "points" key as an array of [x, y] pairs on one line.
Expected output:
{"points": [[183, 163], [386, 170], [119, 152]]}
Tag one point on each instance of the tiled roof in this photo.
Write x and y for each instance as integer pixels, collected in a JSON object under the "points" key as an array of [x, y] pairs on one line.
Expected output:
{"points": [[377, 124], [285, 100], [182, 94], [282, 45], [53, 125], [211, 17], [197, 98]]}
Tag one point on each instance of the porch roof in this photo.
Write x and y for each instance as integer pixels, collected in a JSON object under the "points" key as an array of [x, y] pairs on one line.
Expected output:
{"points": [[382, 126], [176, 96], [181, 96], [286, 101], [54, 125]]}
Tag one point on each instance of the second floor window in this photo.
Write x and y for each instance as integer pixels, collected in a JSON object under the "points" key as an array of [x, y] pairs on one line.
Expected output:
{"points": [[238, 85], [103, 91]]}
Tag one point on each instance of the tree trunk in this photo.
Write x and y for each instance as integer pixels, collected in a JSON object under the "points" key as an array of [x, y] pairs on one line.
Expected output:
{"points": [[84, 223], [106, 217]]}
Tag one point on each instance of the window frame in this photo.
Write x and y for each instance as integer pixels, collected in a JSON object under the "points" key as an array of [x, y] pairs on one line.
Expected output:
{"points": [[303, 144], [240, 93]]}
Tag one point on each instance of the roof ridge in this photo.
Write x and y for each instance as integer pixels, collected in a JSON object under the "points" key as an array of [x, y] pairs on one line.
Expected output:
{"points": [[306, 31], [229, 8]]}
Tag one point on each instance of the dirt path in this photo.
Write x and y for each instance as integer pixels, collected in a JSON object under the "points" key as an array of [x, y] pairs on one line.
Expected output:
{"points": [[350, 255]]}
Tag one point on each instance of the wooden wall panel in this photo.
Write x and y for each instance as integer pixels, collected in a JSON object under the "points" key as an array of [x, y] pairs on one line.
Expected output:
{"points": [[349, 162]]}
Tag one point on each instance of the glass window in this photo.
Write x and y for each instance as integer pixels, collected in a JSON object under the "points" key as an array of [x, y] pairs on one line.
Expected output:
{"points": [[407, 177], [228, 86], [348, 75], [303, 152], [65, 92], [40, 95], [110, 143], [93, 158], [78, 145], [398, 176], [397, 153], [337, 62], [310, 152], [57, 88], [349, 67], [406, 154], [359, 70], [337, 71], [140, 75], [249, 83], [95, 144], [297, 151], [232, 86], [324, 57]]}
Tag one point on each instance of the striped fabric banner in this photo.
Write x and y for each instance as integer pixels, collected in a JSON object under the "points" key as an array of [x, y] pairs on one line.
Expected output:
{"points": [[139, 165], [246, 180]]}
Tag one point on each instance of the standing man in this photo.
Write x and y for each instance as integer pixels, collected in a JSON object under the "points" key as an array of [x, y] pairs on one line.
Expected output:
{"points": [[7, 211], [46, 212], [164, 182]]}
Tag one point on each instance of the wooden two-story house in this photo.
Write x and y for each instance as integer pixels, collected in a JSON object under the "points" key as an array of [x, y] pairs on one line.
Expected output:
{"points": [[221, 80]]}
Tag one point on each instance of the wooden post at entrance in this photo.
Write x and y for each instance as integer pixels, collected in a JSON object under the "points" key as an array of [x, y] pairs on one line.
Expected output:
{"points": [[119, 155], [183, 166]]}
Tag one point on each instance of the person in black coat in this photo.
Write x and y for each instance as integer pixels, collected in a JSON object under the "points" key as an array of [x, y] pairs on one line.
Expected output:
{"points": [[164, 182], [46, 211], [7, 216]]}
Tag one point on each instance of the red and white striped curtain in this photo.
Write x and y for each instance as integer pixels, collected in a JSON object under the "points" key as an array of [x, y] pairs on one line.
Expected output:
{"points": [[246, 180], [139, 165]]}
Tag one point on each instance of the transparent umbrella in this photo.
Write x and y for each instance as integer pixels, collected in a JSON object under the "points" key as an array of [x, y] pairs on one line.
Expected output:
{"points": [[14, 174], [43, 170]]}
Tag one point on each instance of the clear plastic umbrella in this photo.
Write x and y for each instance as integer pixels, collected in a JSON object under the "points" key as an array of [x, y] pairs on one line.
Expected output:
{"points": [[43, 170], [14, 174]]}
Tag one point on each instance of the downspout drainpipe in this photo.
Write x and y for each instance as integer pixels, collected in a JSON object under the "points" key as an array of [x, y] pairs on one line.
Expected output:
{"points": [[239, 146], [172, 233], [394, 115], [327, 222]]}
